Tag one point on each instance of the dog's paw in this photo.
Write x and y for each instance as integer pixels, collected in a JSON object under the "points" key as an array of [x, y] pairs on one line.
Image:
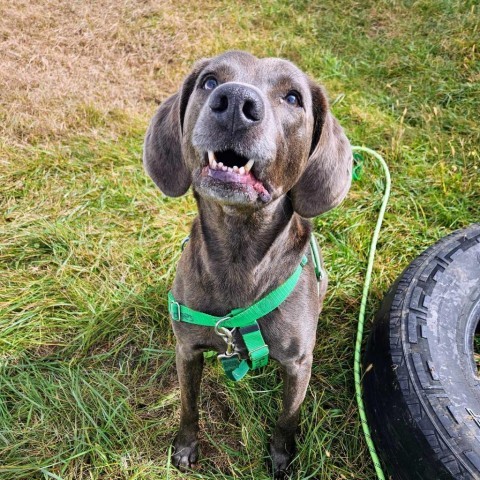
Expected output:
{"points": [[185, 455], [280, 461]]}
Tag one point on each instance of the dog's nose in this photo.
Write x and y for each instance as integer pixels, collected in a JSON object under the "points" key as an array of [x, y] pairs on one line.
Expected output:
{"points": [[236, 106]]}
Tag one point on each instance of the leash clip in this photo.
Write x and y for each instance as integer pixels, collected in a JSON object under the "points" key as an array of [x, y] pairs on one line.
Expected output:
{"points": [[227, 355]]}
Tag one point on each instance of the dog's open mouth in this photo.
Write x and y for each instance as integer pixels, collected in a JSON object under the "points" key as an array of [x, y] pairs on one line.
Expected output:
{"points": [[230, 167]]}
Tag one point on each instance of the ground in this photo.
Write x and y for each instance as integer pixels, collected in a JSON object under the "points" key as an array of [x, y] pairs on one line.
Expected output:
{"points": [[88, 246]]}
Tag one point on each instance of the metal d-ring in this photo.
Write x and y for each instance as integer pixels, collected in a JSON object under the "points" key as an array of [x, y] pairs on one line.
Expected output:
{"points": [[222, 331], [226, 334]]}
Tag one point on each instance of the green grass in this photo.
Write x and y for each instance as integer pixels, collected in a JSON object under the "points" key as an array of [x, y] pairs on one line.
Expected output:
{"points": [[88, 250]]}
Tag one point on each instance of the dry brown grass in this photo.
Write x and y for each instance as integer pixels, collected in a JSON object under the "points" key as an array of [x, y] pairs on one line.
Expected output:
{"points": [[68, 67]]}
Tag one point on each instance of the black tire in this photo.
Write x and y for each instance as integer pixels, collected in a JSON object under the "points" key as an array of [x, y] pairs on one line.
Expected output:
{"points": [[421, 388]]}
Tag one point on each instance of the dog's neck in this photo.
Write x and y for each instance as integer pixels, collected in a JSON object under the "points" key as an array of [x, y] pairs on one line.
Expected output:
{"points": [[242, 252], [242, 236]]}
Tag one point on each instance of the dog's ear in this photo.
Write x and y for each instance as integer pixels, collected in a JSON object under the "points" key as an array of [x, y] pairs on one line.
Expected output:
{"points": [[162, 150], [327, 177]]}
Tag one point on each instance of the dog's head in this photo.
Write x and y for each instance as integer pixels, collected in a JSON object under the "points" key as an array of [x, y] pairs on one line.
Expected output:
{"points": [[245, 131]]}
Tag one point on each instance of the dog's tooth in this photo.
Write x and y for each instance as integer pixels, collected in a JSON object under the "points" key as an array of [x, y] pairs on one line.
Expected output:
{"points": [[211, 158], [235, 169], [220, 165], [224, 168], [214, 164], [230, 169], [241, 170], [249, 165]]}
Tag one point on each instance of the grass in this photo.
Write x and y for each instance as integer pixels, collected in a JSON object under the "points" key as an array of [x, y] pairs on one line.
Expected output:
{"points": [[88, 247]]}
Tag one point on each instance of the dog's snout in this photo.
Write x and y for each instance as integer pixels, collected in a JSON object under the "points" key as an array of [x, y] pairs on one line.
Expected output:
{"points": [[235, 106]]}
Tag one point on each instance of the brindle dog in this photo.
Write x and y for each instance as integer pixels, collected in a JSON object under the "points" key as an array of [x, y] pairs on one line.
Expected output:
{"points": [[257, 142]]}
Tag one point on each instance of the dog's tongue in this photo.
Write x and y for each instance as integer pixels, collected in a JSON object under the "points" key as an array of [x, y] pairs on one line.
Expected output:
{"points": [[249, 179]]}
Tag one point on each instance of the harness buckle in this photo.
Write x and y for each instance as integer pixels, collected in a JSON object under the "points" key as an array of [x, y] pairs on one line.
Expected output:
{"points": [[176, 309]]}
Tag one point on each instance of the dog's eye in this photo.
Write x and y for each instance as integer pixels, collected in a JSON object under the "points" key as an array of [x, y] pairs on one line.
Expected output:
{"points": [[293, 98], [210, 83]]}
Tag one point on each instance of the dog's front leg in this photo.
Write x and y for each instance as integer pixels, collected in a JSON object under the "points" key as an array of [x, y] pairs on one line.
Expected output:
{"points": [[296, 376], [189, 370]]}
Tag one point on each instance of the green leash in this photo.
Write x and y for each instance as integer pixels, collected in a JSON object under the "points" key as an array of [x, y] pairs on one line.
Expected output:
{"points": [[361, 316], [245, 319]]}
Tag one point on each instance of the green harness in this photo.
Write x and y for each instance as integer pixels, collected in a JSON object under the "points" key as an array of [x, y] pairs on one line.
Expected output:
{"points": [[245, 319]]}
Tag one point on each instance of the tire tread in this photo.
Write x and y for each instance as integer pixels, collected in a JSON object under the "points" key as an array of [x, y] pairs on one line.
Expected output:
{"points": [[408, 302]]}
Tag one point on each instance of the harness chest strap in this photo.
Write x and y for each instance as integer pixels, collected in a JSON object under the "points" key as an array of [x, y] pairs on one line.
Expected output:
{"points": [[245, 319]]}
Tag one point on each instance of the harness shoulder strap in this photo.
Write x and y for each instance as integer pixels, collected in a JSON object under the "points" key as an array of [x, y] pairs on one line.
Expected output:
{"points": [[317, 264], [239, 317]]}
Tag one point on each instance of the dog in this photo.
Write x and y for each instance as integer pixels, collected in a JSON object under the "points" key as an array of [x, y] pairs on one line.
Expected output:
{"points": [[256, 141]]}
